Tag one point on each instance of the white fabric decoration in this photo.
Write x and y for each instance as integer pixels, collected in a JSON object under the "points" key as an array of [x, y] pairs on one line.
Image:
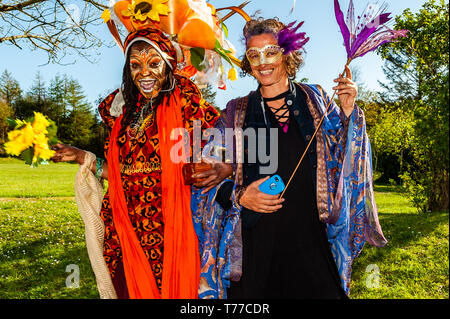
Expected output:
{"points": [[117, 104], [164, 55], [202, 10], [113, 17], [89, 197]]}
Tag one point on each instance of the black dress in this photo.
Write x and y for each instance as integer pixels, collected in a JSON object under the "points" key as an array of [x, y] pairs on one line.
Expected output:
{"points": [[286, 254]]}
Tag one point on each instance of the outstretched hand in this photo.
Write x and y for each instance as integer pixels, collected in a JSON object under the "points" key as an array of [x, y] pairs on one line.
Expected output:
{"points": [[67, 153], [347, 91]]}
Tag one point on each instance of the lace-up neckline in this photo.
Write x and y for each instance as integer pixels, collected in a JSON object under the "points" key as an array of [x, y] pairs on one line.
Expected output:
{"points": [[282, 113]]}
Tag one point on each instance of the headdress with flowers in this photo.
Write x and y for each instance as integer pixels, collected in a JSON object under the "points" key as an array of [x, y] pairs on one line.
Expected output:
{"points": [[193, 26]]}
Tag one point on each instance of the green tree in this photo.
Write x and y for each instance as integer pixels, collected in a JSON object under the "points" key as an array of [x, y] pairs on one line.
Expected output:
{"points": [[417, 67], [209, 94], [57, 92], [392, 138], [38, 89], [34, 100], [9, 88], [6, 112], [10, 92], [77, 127]]}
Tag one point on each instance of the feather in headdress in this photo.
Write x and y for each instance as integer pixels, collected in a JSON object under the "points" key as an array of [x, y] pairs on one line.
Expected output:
{"points": [[290, 40]]}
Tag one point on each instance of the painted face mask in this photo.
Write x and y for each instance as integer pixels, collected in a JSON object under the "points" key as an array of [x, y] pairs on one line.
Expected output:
{"points": [[148, 70], [269, 54]]}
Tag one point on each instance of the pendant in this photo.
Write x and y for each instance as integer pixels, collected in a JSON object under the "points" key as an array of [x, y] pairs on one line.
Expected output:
{"points": [[133, 130]]}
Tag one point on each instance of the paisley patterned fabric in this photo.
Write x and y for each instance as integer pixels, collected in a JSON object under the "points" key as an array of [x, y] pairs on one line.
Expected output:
{"points": [[347, 185], [141, 178], [215, 229]]}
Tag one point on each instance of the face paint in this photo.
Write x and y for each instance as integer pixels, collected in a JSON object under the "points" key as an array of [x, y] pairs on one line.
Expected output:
{"points": [[148, 69], [267, 55]]}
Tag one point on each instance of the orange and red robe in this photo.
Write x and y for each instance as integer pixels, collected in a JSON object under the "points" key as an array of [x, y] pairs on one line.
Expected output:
{"points": [[140, 167]]}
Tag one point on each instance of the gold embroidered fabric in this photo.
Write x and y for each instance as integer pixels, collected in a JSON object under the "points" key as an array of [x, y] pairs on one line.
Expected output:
{"points": [[140, 168]]}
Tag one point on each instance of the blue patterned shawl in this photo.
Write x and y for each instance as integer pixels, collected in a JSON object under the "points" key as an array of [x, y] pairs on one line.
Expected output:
{"points": [[215, 228], [345, 198]]}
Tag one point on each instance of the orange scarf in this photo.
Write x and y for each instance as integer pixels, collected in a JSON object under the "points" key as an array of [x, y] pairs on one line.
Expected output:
{"points": [[181, 265]]}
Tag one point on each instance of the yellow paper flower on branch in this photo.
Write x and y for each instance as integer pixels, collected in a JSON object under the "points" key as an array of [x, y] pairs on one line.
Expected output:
{"points": [[40, 123], [19, 140], [106, 15], [232, 74]]}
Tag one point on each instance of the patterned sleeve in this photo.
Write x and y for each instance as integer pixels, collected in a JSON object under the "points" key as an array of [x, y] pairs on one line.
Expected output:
{"points": [[104, 110], [337, 123], [201, 110]]}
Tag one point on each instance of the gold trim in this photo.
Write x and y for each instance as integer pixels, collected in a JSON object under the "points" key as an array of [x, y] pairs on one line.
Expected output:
{"points": [[143, 168]]}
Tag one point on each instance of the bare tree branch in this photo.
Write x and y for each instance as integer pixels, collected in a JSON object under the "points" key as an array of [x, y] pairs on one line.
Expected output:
{"points": [[19, 5], [59, 28]]}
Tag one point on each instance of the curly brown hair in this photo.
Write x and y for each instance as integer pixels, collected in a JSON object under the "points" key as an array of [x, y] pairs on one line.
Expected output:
{"points": [[293, 60]]}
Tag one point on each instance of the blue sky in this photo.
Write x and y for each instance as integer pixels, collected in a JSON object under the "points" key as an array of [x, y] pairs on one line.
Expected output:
{"points": [[324, 59]]}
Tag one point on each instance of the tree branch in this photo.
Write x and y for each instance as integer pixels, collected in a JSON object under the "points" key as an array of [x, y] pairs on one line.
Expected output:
{"points": [[56, 27], [19, 6]]}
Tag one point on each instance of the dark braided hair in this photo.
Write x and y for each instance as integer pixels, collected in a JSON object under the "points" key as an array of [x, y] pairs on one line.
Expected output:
{"points": [[130, 95]]}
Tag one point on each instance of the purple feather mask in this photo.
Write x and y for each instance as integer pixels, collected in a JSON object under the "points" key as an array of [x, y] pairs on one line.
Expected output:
{"points": [[368, 31], [290, 40]]}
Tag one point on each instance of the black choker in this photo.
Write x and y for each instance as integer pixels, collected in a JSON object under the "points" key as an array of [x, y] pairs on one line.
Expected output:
{"points": [[275, 98]]}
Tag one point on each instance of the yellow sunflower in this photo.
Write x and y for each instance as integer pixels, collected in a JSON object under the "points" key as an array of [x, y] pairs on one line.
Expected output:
{"points": [[146, 9]]}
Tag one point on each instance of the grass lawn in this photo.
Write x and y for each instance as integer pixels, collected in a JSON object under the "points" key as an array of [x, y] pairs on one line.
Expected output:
{"points": [[41, 234], [414, 263]]}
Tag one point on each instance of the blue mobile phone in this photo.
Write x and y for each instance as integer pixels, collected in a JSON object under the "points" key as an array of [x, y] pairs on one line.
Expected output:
{"points": [[273, 186]]}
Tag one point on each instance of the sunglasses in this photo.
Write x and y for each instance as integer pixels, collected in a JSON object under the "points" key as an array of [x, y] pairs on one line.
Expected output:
{"points": [[269, 54]]}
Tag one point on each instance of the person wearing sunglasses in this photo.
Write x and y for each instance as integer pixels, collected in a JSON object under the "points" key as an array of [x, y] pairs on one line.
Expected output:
{"points": [[301, 245]]}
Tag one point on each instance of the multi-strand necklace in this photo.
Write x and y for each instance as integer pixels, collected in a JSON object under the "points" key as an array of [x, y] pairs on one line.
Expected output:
{"points": [[147, 112]]}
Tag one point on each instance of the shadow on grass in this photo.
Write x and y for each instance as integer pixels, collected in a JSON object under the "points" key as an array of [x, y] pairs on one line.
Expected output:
{"points": [[388, 188], [401, 229], [401, 232]]}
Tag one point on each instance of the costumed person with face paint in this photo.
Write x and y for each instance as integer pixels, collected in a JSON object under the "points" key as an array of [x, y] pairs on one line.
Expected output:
{"points": [[140, 235], [303, 244]]}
